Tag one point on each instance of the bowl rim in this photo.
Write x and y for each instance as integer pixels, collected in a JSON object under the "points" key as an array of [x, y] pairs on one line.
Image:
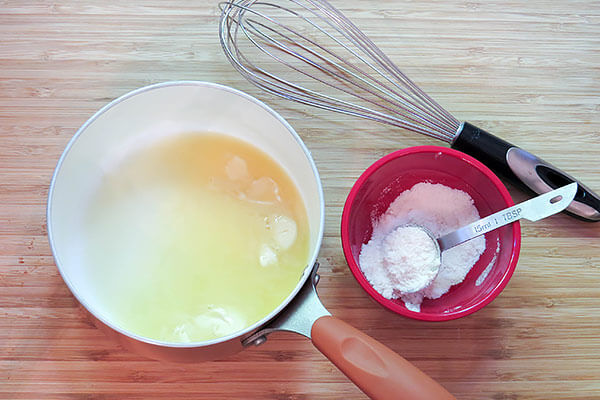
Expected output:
{"points": [[391, 305]]}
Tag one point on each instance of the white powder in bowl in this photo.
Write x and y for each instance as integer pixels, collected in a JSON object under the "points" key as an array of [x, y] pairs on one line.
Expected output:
{"points": [[439, 209]]}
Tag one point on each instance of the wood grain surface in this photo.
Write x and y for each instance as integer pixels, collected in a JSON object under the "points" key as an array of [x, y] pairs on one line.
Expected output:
{"points": [[525, 70]]}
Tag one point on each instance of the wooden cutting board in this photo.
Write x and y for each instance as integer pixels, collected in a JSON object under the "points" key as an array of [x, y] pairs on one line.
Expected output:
{"points": [[525, 70]]}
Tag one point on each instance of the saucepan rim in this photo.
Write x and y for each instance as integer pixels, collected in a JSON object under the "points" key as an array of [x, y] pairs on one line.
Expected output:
{"points": [[239, 334]]}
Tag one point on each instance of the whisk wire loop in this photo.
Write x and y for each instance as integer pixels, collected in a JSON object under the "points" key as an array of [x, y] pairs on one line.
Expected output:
{"points": [[335, 55], [344, 75]]}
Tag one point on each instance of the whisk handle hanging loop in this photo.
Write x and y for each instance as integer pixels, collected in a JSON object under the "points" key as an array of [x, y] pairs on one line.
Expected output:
{"points": [[525, 169]]}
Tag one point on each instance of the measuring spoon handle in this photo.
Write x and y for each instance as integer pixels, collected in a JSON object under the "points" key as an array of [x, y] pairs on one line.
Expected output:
{"points": [[535, 209]]}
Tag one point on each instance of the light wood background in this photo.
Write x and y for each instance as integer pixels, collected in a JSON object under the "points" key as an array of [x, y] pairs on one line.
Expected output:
{"points": [[525, 70]]}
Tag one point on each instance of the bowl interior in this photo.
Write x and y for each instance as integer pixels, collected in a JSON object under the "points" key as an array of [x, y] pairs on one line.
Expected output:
{"points": [[399, 171]]}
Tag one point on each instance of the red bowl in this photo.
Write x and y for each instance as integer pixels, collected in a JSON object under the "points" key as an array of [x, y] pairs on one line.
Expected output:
{"points": [[383, 181]]}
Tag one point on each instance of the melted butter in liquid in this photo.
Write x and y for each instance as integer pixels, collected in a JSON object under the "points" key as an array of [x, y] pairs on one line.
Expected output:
{"points": [[194, 238]]}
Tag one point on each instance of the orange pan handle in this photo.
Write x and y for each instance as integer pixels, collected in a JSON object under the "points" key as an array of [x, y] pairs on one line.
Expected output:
{"points": [[376, 370]]}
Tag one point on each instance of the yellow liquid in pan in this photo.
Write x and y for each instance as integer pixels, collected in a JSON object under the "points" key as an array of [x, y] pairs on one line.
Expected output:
{"points": [[194, 238]]}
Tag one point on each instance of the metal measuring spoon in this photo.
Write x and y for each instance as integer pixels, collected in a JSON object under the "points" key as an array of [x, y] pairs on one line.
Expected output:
{"points": [[535, 209]]}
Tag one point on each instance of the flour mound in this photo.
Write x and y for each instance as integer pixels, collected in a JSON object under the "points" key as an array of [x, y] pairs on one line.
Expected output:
{"points": [[439, 209]]}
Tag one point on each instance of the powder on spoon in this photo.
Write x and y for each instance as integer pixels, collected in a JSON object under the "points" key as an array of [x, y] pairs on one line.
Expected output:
{"points": [[411, 258], [441, 210]]}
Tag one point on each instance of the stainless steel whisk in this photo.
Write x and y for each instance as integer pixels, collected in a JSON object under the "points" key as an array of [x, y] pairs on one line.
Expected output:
{"points": [[322, 59]]}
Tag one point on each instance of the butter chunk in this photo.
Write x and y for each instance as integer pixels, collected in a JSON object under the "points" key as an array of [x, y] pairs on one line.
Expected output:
{"points": [[284, 230]]}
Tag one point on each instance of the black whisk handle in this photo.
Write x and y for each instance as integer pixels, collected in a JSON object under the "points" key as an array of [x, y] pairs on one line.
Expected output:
{"points": [[525, 169]]}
